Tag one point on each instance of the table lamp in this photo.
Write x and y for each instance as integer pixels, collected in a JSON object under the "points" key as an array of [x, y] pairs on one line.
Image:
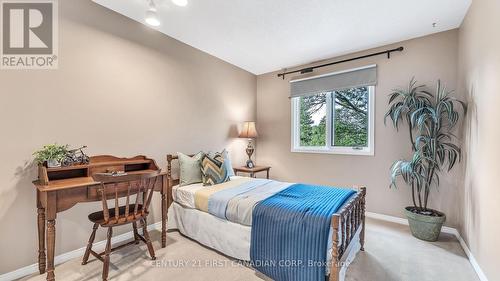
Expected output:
{"points": [[249, 132]]}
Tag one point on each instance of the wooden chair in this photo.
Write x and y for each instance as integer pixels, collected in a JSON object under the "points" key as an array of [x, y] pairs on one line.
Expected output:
{"points": [[114, 188]]}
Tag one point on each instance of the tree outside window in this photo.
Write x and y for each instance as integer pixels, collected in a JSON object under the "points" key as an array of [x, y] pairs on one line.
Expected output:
{"points": [[349, 118]]}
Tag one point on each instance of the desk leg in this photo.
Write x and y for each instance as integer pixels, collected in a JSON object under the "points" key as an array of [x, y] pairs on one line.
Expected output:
{"points": [[267, 173], [163, 220], [51, 245], [41, 239]]}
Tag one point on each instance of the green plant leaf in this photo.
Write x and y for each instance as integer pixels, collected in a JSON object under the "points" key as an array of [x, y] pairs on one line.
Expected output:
{"points": [[431, 119]]}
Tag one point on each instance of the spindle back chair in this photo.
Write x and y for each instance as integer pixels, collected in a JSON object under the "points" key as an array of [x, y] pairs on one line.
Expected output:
{"points": [[113, 188]]}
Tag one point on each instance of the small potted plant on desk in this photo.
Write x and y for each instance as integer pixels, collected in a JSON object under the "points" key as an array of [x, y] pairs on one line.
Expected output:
{"points": [[51, 154], [431, 119]]}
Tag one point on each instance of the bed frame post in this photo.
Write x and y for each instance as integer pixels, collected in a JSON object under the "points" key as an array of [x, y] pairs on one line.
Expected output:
{"points": [[169, 166], [169, 179], [363, 208], [335, 268]]}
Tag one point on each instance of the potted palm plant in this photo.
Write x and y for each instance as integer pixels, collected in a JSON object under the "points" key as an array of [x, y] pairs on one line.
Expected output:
{"points": [[431, 119]]}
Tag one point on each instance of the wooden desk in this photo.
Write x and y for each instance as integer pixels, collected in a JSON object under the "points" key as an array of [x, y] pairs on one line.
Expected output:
{"points": [[253, 171], [59, 189]]}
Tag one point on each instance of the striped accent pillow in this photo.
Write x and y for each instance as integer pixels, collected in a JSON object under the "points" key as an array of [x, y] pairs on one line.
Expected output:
{"points": [[213, 170]]}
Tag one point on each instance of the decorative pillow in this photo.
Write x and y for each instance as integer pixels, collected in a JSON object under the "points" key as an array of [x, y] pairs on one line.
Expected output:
{"points": [[227, 161], [213, 170], [189, 168]]}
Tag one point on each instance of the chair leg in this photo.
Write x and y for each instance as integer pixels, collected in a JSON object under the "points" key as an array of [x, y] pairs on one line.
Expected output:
{"points": [[105, 267], [136, 234], [89, 245], [146, 237]]}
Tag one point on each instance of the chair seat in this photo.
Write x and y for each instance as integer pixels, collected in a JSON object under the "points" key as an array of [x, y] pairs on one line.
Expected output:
{"points": [[98, 217]]}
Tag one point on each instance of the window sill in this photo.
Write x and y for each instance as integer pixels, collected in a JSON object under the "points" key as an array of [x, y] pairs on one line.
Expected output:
{"points": [[341, 151]]}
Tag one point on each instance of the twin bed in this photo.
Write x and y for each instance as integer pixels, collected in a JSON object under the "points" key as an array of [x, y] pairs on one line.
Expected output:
{"points": [[223, 217]]}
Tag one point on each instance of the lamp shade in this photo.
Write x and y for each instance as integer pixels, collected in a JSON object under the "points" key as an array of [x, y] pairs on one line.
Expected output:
{"points": [[248, 131]]}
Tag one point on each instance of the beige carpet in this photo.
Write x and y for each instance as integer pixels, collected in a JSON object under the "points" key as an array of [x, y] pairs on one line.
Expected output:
{"points": [[391, 254]]}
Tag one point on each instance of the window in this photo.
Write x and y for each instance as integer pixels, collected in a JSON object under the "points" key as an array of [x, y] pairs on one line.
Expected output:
{"points": [[339, 122]]}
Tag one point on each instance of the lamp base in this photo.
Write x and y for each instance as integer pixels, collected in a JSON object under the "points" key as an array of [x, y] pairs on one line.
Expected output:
{"points": [[250, 164], [250, 149]]}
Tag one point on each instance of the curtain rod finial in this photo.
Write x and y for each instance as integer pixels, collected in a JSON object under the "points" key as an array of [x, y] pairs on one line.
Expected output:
{"points": [[282, 75]]}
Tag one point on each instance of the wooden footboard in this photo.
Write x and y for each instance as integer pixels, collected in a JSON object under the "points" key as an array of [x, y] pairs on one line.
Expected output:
{"points": [[348, 225]]}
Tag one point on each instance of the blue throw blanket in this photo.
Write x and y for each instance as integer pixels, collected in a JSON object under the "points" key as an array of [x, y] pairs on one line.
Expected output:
{"points": [[290, 231]]}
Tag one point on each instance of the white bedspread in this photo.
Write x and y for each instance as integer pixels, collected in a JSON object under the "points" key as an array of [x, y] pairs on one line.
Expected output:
{"points": [[229, 238]]}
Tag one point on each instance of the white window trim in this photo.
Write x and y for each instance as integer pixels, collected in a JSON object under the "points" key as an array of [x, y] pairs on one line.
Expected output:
{"points": [[328, 148]]}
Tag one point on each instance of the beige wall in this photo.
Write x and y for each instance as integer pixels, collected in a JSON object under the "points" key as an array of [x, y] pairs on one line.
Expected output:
{"points": [[122, 89], [428, 59], [479, 76]]}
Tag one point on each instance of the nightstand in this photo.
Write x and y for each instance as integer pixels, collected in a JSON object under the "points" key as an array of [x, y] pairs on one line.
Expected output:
{"points": [[252, 171]]}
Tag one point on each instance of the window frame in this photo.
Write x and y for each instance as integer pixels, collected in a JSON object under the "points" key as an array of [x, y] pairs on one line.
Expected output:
{"points": [[329, 148]]}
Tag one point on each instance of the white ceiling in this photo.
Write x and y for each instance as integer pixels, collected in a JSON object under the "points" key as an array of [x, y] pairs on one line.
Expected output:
{"points": [[261, 36]]}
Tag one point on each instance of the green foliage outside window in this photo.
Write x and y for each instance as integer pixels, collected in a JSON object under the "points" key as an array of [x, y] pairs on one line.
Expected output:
{"points": [[311, 134], [350, 118]]}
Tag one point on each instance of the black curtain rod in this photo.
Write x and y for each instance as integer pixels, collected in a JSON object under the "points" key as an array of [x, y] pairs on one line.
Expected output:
{"points": [[310, 69]]}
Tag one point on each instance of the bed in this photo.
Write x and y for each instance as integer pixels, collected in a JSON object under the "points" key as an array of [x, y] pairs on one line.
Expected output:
{"points": [[231, 233]]}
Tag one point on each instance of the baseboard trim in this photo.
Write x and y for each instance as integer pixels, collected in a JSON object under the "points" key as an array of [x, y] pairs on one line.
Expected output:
{"points": [[445, 229], [98, 246]]}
